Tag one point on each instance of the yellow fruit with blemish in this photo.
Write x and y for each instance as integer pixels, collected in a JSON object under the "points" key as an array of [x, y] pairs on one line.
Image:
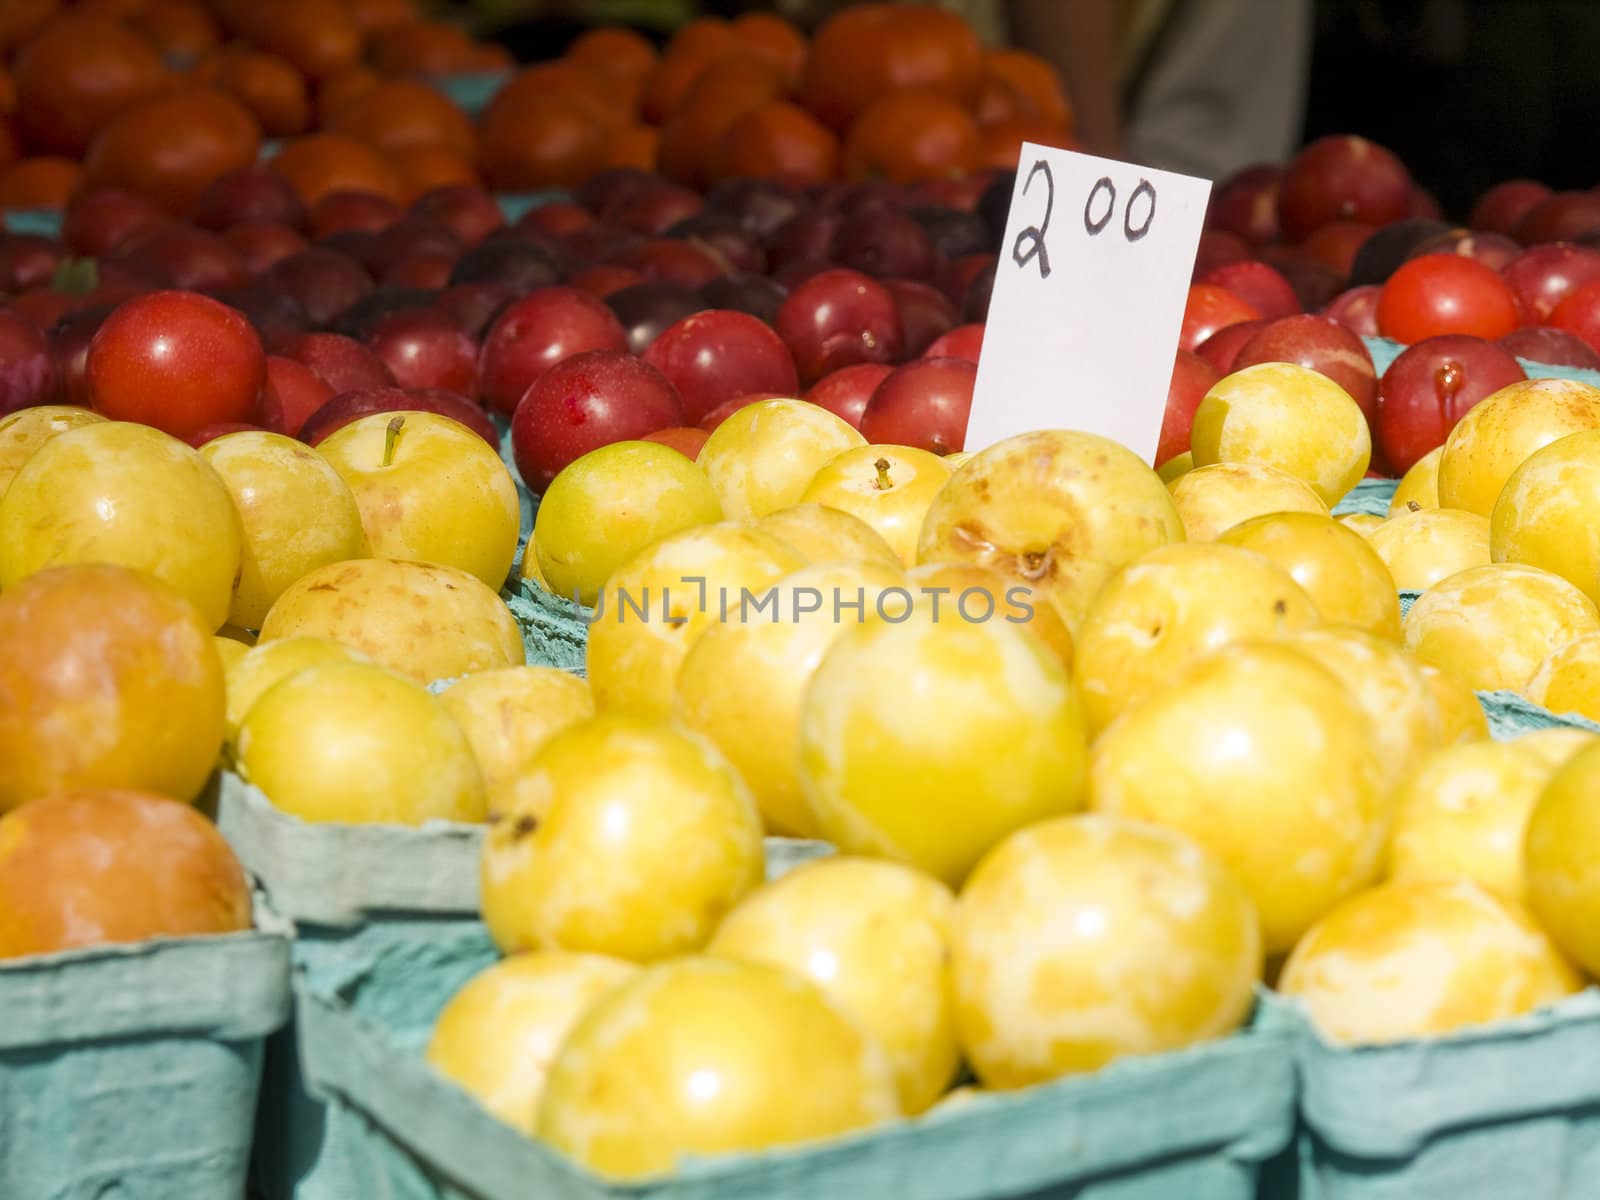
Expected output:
{"points": [[1085, 939], [1563, 873], [508, 714], [928, 741], [1216, 498], [1420, 959], [1499, 434], [761, 660], [1344, 577], [1545, 515], [631, 837], [1058, 510], [1557, 745], [968, 592], [268, 663], [701, 1057], [826, 534], [888, 487], [1387, 682], [1418, 488], [25, 431], [763, 457], [497, 1036], [1421, 548], [1286, 416], [875, 936], [1461, 717], [1171, 606], [1267, 760], [1492, 626], [355, 743], [656, 605], [430, 490], [296, 514], [117, 492], [425, 620], [1462, 814], [608, 505], [1362, 523], [1569, 680]]}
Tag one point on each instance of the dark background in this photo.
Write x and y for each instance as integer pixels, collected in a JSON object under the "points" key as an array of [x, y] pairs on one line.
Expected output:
{"points": [[1467, 92]]}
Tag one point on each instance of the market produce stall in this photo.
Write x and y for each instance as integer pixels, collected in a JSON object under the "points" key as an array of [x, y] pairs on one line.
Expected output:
{"points": [[513, 680]]}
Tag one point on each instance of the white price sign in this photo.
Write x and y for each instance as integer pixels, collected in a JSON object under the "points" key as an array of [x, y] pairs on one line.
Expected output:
{"points": [[1088, 299]]}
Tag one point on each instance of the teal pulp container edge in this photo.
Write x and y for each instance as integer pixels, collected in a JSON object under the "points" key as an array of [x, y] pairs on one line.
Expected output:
{"points": [[1196, 1124], [131, 1072]]}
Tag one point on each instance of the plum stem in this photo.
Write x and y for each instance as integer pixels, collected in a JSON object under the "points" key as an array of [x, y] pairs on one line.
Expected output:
{"points": [[883, 483], [391, 436]]}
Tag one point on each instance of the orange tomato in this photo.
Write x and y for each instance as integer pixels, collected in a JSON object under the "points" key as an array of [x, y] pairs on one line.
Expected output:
{"points": [[871, 50], [77, 75], [428, 48], [319, 38], [320, 163], [624, 57], [633, 146], [182, 30], [171, 148], [539, 139], [380, 16], [770, 37], [39, 183], [1034, 79], [425, 167], [912, 135], [725, 91], [338, 90], [781, 141], [269, 86], [404, 113], [604, 105], [1000, 144]]}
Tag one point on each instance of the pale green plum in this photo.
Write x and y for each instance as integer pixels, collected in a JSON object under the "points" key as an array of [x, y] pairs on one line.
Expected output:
{"points": [[605, 507]]}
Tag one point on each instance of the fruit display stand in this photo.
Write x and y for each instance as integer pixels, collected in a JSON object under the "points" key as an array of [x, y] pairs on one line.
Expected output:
{"points": [[133, 1070], [1198, 1123], [1509, 1108], [361, 899]]}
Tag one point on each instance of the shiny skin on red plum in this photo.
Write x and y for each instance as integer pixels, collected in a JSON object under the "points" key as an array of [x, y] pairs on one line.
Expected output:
{"points": [[175, 360], [584, 402]]}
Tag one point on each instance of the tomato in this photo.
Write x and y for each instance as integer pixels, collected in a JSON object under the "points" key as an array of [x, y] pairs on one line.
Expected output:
{"points": [[178, 361], [1446, 293]]}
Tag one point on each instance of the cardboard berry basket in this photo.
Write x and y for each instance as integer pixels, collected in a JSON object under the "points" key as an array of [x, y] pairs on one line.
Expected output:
{"points": [[354, 895], [131, 1072], [1195, 1124], [1498, 1111]]}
